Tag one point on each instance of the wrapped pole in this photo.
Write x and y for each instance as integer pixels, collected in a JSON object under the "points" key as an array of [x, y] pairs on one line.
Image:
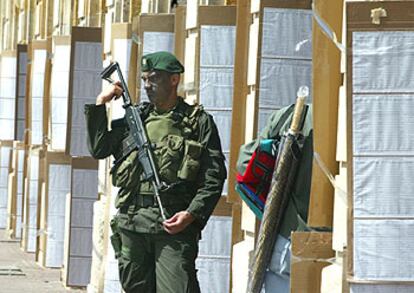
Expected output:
{"points": [[278, 197]]}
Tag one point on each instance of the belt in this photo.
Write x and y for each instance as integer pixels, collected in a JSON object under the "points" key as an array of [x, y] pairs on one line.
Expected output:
{"points": [[144, 201], [139, 201]]}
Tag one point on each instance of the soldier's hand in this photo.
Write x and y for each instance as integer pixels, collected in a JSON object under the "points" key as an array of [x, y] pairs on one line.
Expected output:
{"points": [[109, 92], [178, 222]]}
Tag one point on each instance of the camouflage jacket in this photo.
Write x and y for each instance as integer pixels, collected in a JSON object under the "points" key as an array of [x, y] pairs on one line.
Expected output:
{"points": [[199, 197]]}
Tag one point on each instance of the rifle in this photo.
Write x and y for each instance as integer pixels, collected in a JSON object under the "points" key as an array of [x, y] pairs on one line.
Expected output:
{"points": [[139, 136]]}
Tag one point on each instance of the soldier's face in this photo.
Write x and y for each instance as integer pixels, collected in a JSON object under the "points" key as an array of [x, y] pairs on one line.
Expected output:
{"points": [[158, 85]]}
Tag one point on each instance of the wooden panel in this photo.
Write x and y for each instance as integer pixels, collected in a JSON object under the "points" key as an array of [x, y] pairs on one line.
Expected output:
{"points": [[180, 33], [295, 4], [308, 251], [217, 15], [79, 227], [399, 18], [79, 34], [326, 66], [61, 40], [50, 158], [240, 91], [157, 23], [223, 208], [399, 15]]}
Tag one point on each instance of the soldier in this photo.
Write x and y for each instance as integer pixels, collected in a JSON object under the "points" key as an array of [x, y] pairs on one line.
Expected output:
{"points": [[156, 255]]}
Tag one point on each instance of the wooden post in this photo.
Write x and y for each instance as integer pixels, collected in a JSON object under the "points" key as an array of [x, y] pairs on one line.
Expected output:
{"points": [[326, 82]]}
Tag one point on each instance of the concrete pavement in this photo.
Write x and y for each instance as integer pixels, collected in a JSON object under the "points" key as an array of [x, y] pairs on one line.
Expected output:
{"points": [[19, 272]]}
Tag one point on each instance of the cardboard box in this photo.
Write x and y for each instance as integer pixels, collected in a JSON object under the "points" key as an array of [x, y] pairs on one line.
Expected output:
{"points": [[309, 249]]}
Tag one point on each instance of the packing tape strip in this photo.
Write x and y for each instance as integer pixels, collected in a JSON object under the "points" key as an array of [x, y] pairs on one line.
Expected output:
{"points": [[341, 193], [136, 39], [332, 260], [327, 29], [377, 14], [12, 215], [39, 232]]}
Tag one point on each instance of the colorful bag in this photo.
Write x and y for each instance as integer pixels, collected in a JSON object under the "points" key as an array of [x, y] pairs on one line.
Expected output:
{"points": [[255, 167], [259, 170]]}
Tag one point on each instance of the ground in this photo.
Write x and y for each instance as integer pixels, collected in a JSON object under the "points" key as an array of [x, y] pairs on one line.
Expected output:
{"points": [[19, 273]]}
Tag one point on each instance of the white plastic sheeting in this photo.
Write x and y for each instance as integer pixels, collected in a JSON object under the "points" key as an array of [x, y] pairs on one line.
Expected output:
{"points": [[243, 253], [59, 187], [19, 195], [4, 173], [213, 262], [382, 62], [383, 95], [383, 187], [21, 106], [122, 54], [97, 268], [383, 249], [286, 58], [33, 202], [383, 124], [7, 97], [59, 96], [37, 90], [370, 288], [83, 195], [217, 49], [86, 85], [158, 41], [153, 42]]}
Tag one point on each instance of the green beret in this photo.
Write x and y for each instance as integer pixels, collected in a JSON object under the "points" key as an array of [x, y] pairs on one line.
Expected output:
{"points": [[161, 61]]}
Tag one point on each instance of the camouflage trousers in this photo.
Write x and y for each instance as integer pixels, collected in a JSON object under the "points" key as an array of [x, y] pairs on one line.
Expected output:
{"points": [[158, 263]]}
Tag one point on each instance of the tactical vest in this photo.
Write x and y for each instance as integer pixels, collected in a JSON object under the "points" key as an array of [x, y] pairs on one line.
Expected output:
{"points": [[176, 152]]}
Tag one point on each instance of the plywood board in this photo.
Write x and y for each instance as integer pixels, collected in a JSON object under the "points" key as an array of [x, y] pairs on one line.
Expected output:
{"points": [[56, 182], [327, 60], [84, 84], [217, 48], [309, 249], [240, 90], [378, 157], [180, 34], [83, 194]]}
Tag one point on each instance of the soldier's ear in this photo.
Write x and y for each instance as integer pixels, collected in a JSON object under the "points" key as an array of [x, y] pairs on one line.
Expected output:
{"points": [[175, 79]]}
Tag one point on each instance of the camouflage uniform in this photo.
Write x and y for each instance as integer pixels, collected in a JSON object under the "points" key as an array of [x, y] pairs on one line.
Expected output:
{"points": [[188, 155]]}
